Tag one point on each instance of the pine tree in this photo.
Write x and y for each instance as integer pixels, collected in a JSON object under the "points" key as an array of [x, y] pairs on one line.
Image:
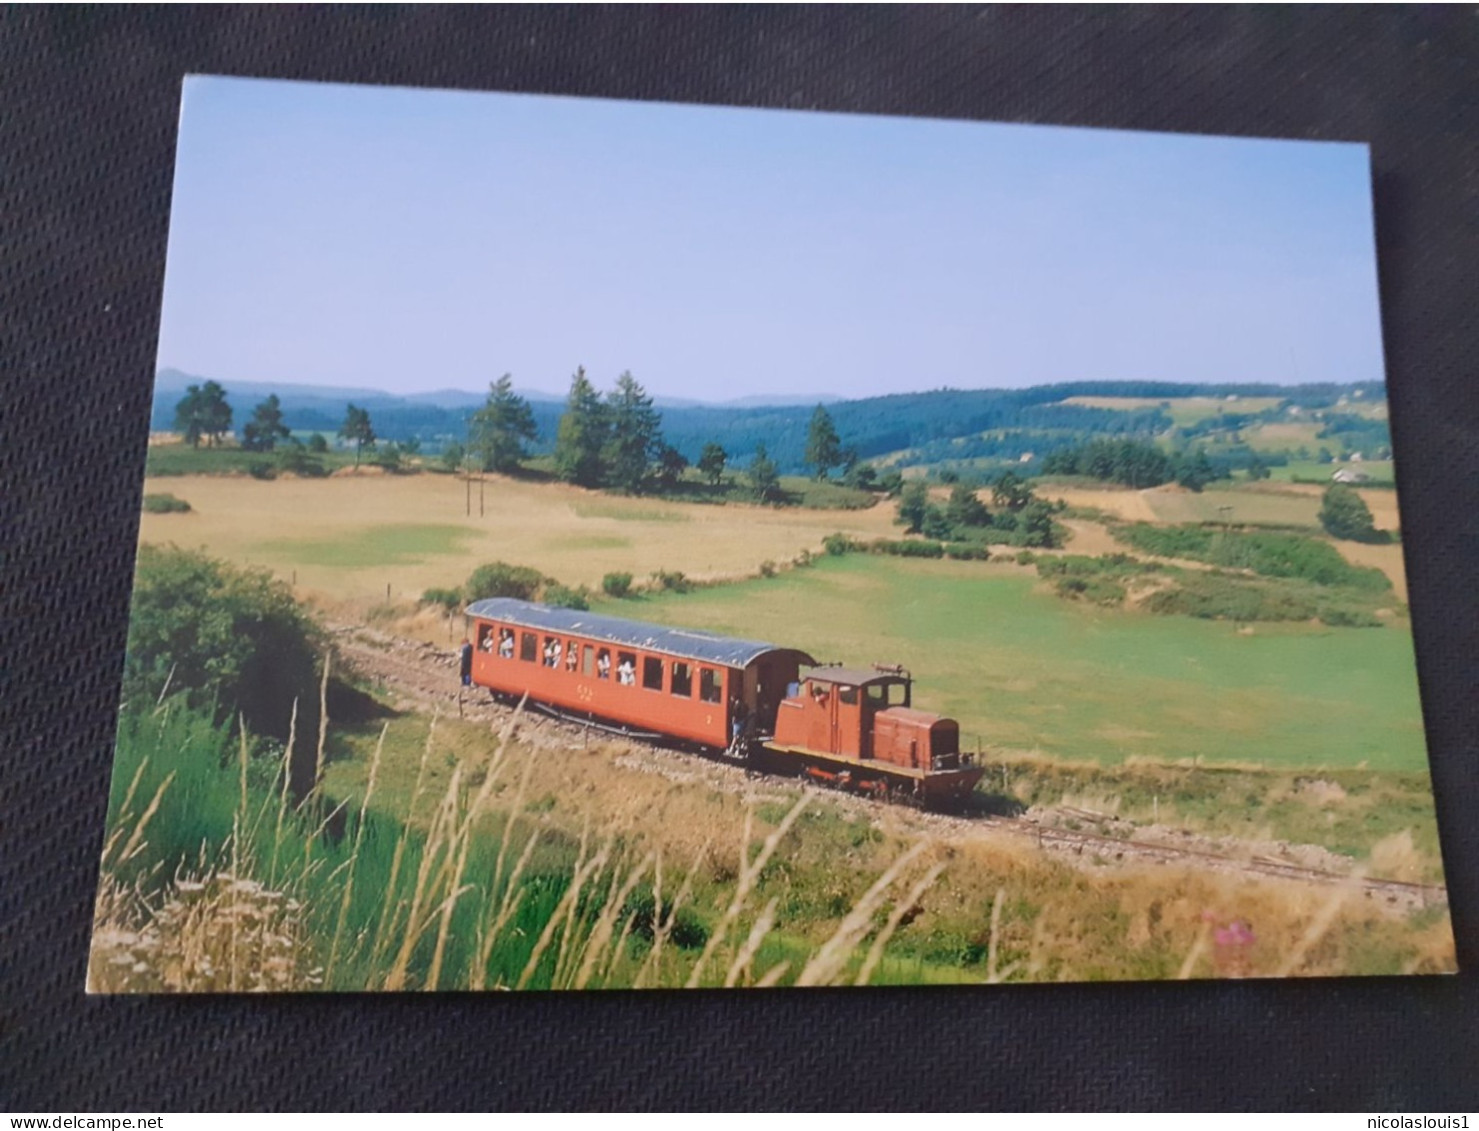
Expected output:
{"points": [[500, 428], [581, 435], [266, 427], [633, 436], [823, 445], [357, 427]]}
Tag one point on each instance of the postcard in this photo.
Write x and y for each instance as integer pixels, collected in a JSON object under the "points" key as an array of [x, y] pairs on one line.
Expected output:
{"points": [[610, 545]]}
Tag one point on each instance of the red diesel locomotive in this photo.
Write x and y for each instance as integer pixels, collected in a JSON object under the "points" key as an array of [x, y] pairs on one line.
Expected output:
{"points": [[852, 727]]}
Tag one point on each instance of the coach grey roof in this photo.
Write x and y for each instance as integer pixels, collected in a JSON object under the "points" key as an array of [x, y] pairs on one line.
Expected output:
{"points": [[723, 650]]}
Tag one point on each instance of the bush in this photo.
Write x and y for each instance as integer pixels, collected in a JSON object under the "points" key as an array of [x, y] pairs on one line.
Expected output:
{"points": [[563, 597], [617, 584], [164, 503], [767, 569], [672, 582], [317, 444], [448, 599], [907, 548], [499, 579], [966, 552], [1270, 553], [232, 641], [838, 544], [261, 469]]}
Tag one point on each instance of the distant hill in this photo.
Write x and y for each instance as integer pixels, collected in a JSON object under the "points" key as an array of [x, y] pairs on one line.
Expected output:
{"points": [[939, 425]]}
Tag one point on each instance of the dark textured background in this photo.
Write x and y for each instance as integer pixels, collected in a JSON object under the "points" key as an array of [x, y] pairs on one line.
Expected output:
{"points": [[88, 105]]}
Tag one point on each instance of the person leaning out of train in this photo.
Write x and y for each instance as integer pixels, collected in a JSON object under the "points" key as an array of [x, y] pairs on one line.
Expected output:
{"points": [[506, 643], [626, 673], [464, 662]]}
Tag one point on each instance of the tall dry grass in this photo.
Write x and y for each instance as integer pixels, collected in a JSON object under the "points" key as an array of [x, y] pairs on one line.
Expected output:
{"points": [[316, 894]]}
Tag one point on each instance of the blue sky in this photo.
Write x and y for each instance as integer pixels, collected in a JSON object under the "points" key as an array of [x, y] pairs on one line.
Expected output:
{"points": [[413, 240]]}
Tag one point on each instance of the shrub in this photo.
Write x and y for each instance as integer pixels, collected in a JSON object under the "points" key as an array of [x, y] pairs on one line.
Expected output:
{"points": [[767, 569], [165, 503], [966, 552], [1339, 616], [317, 444], [232, 641], [564, 597], [499, 579], [448, 599], [261, 469], [838, 544], [1270, 553], [617, 584], [907, 548], [671, 581]]}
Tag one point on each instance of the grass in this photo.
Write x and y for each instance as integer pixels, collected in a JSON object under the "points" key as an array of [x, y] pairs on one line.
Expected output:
{"points": [[1023, 670], [1308, 471], [565, 532], [437, 856], [373, 546], [181, 459], [1183, 411]]}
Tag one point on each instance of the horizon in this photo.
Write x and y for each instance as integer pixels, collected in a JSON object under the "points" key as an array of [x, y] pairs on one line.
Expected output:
{"points": [[416, 241]]}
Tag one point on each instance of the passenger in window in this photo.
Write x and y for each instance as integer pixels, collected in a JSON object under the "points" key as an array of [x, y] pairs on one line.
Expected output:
{"points": [[506, 643], [626, 673], [572, 656], [603, 665]]}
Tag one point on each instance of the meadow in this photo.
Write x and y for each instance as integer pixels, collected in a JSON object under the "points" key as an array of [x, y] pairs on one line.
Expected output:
{"points": [[1025, 671], [374, 537]]}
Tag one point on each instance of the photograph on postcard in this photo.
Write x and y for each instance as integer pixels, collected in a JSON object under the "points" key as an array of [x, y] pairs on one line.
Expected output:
{"points": [[594, 545]]}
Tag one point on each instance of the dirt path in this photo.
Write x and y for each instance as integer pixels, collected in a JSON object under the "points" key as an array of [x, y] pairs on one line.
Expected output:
{"points": [[422, 677]]}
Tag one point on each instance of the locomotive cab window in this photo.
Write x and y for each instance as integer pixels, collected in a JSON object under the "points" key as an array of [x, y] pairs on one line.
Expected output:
{"points": [[528, 647], [652, 673], [710, 686], [682, 683], [848, 696], [888, 694]]}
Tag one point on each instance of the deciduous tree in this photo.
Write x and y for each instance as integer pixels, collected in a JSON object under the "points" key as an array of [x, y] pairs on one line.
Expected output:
{"points": [[1344, 514], [711, 462], [763, 476]]}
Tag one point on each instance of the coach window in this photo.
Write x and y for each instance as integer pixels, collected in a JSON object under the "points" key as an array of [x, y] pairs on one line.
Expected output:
{"points": [[626, 668], [710, 686], [572, 655], [682, 679], [652, 673], [506, 643], [588, 662], [528, 646]]}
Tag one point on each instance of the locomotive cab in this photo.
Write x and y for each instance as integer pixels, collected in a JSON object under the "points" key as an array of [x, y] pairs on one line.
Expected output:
{"points": [[866, 715]]}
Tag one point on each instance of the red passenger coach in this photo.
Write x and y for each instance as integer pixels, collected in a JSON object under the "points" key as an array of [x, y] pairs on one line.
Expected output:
{"points": [[684, 684]]}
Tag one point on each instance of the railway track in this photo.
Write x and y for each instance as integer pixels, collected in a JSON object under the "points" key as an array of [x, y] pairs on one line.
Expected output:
{"points": [[426, 677]]}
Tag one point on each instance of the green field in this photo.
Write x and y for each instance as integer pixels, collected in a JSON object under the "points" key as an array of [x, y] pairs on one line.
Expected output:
{"points": [[1023, 670], [1380, 471]]}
